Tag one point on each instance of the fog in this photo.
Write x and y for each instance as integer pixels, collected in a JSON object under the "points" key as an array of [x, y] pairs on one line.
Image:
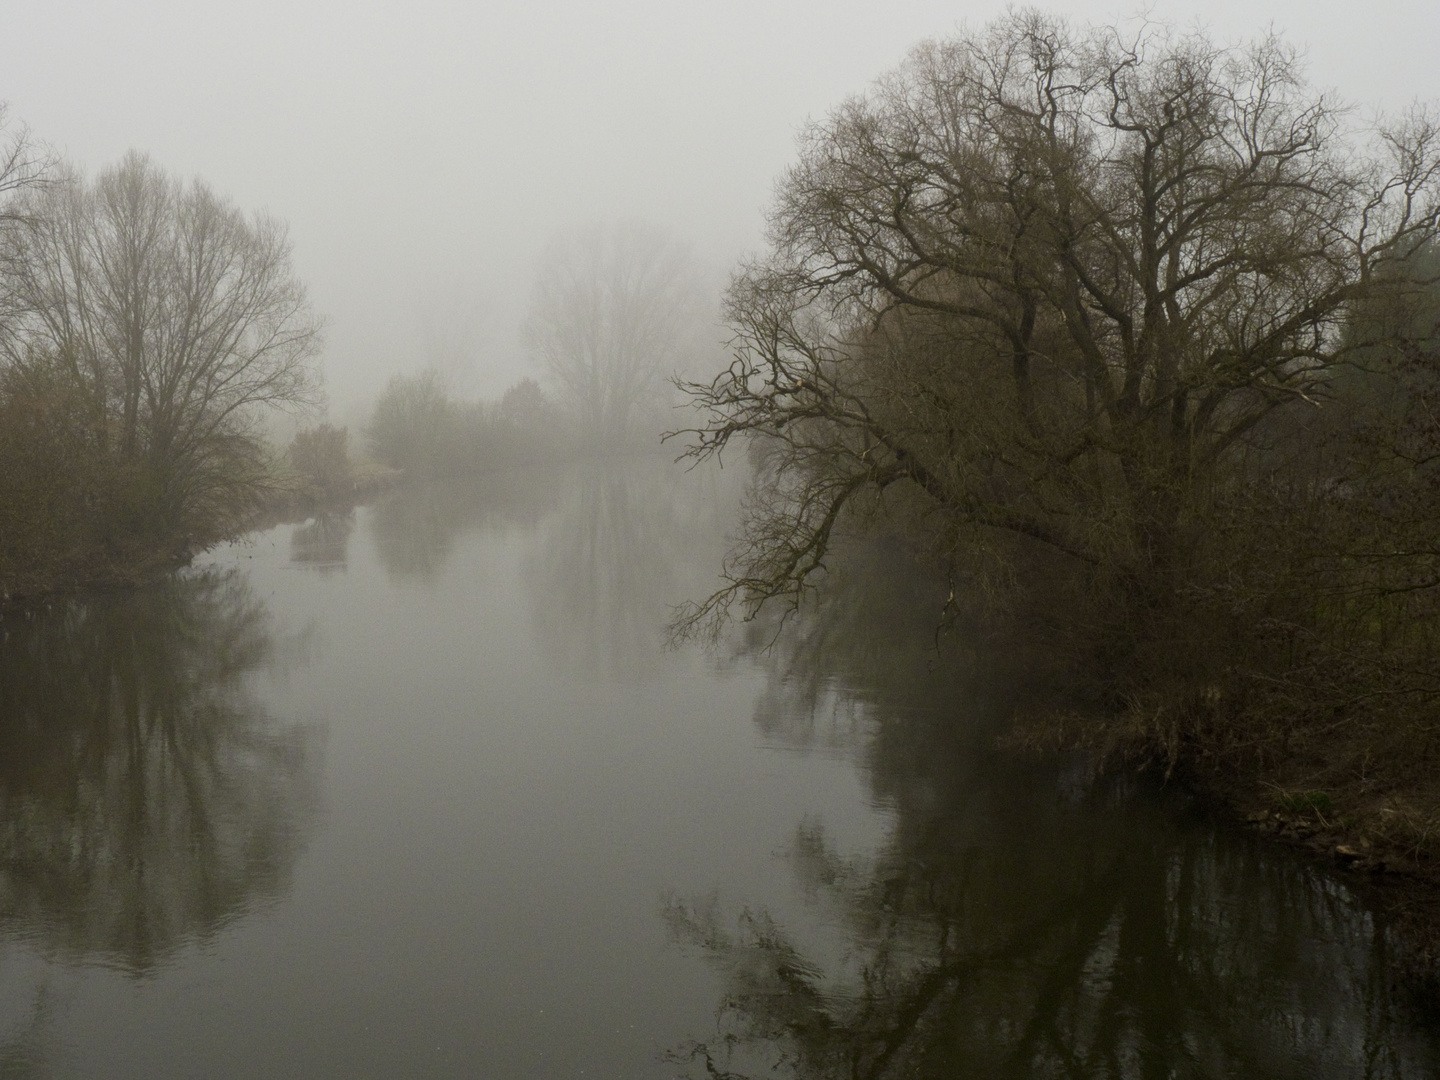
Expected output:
{"points": [[413, 769], [424, 153]]}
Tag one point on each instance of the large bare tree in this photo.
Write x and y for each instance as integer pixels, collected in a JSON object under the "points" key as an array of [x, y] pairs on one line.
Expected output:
{"points": [[1052, 282], [173, 318], [608, 317]]}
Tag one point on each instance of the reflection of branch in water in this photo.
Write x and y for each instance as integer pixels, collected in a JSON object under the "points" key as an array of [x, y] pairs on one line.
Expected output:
{"points": [[322, 542], [868, 630], [145, 797], [23, 1047], [1199, 962]]}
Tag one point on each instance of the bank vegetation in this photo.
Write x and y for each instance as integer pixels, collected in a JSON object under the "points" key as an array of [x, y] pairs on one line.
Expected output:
{"points": [[146, 327], [1134, 335]]}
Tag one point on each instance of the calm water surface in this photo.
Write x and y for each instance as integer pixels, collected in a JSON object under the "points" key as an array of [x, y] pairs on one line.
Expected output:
{"points": [[417, 792]]}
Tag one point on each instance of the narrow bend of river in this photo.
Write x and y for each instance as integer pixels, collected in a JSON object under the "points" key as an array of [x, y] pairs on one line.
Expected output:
{"points": [[418, 792]]}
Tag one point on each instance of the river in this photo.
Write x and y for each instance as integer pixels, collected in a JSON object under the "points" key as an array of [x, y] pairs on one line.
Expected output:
{"points": [[418, 791]]}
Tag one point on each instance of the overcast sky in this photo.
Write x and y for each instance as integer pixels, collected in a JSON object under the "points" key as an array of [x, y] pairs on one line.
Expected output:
{"points": [[424, 152]]}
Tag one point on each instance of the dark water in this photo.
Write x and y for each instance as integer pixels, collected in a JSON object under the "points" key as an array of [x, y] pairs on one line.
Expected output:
{"points": [[417, 792]]}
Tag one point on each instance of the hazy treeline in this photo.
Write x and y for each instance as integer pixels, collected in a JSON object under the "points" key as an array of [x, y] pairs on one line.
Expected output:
{"points": [[419, 427], [417, 431], [614, 318], [147, 325], [1135, 335], [615, 315]]}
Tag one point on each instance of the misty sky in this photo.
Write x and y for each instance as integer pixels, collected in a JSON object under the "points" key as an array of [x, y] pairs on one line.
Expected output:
{"points": [[423, 153]]}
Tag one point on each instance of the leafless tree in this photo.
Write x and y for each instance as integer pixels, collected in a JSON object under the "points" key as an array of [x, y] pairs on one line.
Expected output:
{"points": [[174, 317], [24, 165], [1048, 281], [607, 322]]}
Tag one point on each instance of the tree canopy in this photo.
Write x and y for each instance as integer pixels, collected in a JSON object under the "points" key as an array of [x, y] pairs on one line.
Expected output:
{"points": [[166, 318], [1059, 283]]}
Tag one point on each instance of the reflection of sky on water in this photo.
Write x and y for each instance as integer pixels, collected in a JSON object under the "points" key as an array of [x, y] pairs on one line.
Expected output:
{"points": [[617, 554], [613, 546], [416, 527]]}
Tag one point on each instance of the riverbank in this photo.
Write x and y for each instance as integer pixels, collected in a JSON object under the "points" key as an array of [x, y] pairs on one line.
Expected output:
{"points": [[1323, 744], [1380, 836], [1372, 816], [1384, 846], [827, 810], [302, 497], [95, 571], [104, 564]]}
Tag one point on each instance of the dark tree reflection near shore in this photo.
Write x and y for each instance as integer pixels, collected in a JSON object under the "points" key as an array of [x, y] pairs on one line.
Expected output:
{"points": [[27, 1044], [1023, 918], [145, 797]]}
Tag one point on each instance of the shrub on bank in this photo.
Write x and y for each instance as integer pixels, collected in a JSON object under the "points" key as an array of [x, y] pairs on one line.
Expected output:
{"points": [[319, 470]]}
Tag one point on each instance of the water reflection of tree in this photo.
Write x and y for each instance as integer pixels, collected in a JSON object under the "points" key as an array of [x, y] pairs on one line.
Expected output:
{"points": [[416, 525], [323, 542], [1021, 921], [617, 555], [145, 797], [25, 1047]]}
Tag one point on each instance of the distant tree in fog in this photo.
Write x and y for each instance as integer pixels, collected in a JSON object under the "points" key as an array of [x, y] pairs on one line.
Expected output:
{"points": [[321, 455], [524, 405], [412, 422], [609, 313]]}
